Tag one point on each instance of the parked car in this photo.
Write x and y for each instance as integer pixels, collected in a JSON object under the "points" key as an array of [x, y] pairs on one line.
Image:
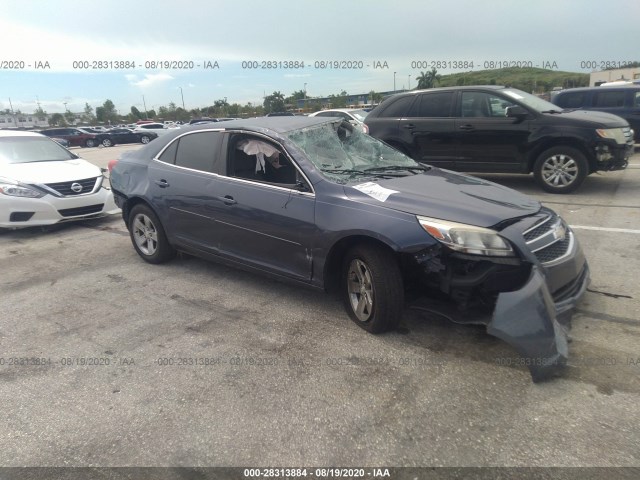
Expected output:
{"points": [[503, 130], [157, 128], [127, 135], [355, 116], [318, 202], [622, 100], [79, 138], [61, 141], [42, 183], [202, 120]]}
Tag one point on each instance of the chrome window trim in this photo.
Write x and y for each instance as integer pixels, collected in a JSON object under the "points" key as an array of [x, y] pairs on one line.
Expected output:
{"points": [[237, 179]]}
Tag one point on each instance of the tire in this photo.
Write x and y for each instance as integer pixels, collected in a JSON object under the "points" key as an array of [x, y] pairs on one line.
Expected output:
{"points": [[107, 142], [145, 139], [90, 142], [372, 289], [560, 169], [147, 235]]}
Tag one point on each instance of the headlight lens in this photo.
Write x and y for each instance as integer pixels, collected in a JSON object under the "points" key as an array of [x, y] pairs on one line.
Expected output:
{"points": [[467, 238], [616, 134], [15, 189]]}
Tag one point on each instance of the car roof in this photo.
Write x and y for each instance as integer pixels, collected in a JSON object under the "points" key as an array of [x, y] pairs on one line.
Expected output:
{"points": [[20, 133], [276, 124], [599, 89]]}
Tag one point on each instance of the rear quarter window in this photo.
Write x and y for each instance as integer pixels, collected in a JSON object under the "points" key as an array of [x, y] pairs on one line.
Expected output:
{"points": [[398, 108]]}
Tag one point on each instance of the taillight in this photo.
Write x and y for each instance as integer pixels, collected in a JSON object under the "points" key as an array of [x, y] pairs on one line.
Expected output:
{"points": [[111, 164]]}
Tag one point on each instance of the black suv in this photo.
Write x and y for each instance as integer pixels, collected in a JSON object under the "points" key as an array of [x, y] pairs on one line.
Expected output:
{"points": [[502, 130], [623, 101]]}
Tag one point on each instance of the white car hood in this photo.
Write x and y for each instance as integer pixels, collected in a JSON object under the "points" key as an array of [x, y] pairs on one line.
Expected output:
{"points": [[50, 172]]}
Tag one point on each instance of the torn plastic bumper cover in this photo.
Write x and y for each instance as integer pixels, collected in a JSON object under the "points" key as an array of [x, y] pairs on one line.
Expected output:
{"points": [[527, 320]]}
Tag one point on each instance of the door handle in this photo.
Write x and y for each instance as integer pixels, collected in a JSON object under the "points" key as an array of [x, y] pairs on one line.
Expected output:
{"points": [[410, 126], [227, 200], [467, 127], [162, 183]]}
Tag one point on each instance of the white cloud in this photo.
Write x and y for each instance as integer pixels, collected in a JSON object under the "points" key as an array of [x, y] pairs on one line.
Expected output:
{"points": [[149, 79]]}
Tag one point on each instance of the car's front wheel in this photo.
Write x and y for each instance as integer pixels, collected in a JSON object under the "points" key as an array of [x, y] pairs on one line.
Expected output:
{"points": [[145, 139], [372, 288], [107, 142], [90, 143], [148, 236], [560, 169]]}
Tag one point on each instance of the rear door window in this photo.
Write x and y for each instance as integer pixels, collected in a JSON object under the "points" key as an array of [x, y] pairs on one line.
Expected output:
{"points": [[430, 105], [608, 99], [398, 108], [197, 151]]}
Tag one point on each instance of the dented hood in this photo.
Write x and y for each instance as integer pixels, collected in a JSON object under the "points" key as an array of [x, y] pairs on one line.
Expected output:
{"points": [[446, 195]]}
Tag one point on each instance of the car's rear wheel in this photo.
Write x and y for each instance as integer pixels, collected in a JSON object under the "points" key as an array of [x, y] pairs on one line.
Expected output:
{"points": [[90, 142], [372, 288], [148, 236], [145, 139], [560, 169], [107, 142]]}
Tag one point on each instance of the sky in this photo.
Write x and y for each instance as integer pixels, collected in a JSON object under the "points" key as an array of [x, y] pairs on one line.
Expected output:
{"points": [[47, 45]]}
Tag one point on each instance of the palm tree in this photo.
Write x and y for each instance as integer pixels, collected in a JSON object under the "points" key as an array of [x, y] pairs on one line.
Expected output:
{"points": [[428, 79]]}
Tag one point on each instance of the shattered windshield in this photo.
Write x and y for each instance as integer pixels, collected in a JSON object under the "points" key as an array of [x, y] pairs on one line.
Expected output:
{"points": [[344, 153]]}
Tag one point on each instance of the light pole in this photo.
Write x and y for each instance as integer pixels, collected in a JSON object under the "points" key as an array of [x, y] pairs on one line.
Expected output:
{"points": [[394, 81], [182, 95], [409, 83], [146, 115], [304, 103]]}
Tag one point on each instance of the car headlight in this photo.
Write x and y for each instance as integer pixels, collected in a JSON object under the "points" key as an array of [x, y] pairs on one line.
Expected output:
{"points": [[16, 189], [616, 134], [467, 238]]}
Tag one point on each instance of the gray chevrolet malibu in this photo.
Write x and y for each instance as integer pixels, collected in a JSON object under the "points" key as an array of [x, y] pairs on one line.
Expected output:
{"points": [[315, 201]]}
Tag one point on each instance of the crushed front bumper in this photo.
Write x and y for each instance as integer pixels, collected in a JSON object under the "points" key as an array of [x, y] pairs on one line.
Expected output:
{"points": [[530, 321]]}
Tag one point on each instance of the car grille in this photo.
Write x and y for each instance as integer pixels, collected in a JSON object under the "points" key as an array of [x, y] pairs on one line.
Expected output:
{"points": [[87, 210], [546, 241], [627, 134], [64, 188], [555, 250]]}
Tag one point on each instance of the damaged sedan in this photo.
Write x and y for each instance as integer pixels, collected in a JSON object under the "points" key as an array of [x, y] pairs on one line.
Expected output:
{"points": [[315, 201]]}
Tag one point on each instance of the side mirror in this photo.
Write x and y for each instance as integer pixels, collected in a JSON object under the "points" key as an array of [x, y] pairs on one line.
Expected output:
{"points": [[515, 111]]}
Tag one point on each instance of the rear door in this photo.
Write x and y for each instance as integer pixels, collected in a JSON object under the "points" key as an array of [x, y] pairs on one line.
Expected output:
{"points": [[489, 140], [183, 184], [429, 129]]}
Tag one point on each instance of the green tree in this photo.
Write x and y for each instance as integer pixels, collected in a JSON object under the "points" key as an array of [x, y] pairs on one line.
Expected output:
{"points": [[87, 115], [40, 113], [374, 97], [137, 114], [57, 120], [107, 113], [274, 103], [428, 79], [69, 117]]}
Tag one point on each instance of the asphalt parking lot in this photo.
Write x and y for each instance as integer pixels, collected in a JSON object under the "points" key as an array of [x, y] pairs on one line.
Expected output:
{"points": [[109, 361]]}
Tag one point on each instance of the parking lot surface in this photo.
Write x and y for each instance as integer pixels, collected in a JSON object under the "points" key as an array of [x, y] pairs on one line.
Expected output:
{"points": [[106, 360]]}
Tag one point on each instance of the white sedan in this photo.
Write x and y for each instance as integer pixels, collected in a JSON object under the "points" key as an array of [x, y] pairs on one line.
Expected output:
{"points": [[159, 128], [355, 116], [42, 183]]}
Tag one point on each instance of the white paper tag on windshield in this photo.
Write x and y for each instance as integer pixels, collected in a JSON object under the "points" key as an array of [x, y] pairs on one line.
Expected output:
{"points": [[375, 191]]}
